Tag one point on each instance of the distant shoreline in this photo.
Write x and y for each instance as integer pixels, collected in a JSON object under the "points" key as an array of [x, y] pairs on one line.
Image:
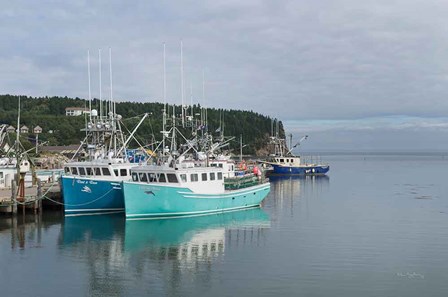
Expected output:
{"points": [[374, 153]]}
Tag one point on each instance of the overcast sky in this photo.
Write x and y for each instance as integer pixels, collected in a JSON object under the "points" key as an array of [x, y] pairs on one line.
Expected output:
{"points": [[349, 73]]}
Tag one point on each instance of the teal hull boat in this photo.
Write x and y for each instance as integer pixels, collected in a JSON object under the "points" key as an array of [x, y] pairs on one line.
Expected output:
{"points": [[157, 200]]}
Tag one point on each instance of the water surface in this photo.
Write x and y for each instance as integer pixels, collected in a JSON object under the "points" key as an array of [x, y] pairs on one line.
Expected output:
{"points": [[375, 226]]}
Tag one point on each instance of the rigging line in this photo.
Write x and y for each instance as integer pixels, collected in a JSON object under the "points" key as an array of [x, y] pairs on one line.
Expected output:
{"points": [[134, 117], [81, 204], [134, 137]]}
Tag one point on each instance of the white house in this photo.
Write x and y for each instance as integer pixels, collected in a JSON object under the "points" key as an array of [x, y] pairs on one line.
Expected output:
{"points": [[11, 129], [24, 129], [76, 111], [37, 130]]}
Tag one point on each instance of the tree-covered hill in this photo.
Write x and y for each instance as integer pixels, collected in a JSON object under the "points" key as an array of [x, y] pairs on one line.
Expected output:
{"points": [[59, 129]]}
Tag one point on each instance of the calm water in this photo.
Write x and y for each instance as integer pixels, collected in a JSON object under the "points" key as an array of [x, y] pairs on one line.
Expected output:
{"points": [[376, 226]]}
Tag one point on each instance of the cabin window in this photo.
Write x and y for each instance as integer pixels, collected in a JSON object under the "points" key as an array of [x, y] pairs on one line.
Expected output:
{"points": [[123, 172], [143, 177], [1, 174], [89, 170], [106, 171], [212, 176], [172, 178], [134, 176], [282, 160], [204, 176], [74, 171], [116, 172], [97, 171], [231, 168], [213, 165], [67, 170], [162, 178], [82, 171], [183, 178], [219, 175], [152, 177], [194, 177]]}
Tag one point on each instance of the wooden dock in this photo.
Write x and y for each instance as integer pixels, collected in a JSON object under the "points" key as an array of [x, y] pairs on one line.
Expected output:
{"points": [[36, 198]]}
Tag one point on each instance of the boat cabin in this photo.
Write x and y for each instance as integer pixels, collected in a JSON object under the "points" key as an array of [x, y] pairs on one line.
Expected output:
{"points": [[198, 179], [7, 175], [287, 161], [98, 170]]}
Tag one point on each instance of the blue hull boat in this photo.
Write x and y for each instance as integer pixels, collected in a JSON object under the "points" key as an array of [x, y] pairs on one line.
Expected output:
{"points": [[90, 196], [283, 162], [299, 170]]}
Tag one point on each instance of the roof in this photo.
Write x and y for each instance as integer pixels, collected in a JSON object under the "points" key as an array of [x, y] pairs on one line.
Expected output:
{"points": [[60, 149], [77, 108]]}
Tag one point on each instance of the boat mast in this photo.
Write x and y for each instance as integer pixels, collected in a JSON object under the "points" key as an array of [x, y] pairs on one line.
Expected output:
{"points": [[90, 93], [204, 111], [111, 113], [182, 82], [164, 101], [18, 129], [192, 109], [101, 102]]}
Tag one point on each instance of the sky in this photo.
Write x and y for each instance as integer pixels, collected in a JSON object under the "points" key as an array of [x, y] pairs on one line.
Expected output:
{"points": [[353, 75]]}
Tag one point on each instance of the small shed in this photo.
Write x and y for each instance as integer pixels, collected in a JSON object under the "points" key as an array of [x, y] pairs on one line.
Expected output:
{"points": [[37, 130], [24, 129], [11, 129]]}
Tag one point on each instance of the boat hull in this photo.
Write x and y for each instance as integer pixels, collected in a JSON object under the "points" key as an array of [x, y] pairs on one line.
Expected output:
{"points": [[152, 201], [88, 196], [299, 170]]}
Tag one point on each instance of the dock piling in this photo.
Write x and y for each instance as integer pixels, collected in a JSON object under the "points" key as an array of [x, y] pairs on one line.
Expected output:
{"points": [[14, 197]]}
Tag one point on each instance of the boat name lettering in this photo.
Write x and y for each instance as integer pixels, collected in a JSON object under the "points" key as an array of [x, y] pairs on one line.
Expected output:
{"points": [[90, 182]]}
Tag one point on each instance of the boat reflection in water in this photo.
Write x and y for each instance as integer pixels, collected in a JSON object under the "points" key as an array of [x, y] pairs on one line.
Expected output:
{"points": [[157, 250], [298, 186], [194, 238], [287, 190]]}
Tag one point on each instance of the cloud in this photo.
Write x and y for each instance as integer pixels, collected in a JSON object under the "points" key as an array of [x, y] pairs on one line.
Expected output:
{"points": [[391, 123], [307, 60]]}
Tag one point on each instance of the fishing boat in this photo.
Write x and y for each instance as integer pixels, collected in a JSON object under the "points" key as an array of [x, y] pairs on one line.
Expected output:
{"points": [[189, 188], [94, 184], [283, 162], [190, 178]]}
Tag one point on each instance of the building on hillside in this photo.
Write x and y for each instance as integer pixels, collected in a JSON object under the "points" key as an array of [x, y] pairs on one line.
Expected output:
{"points": [[66, 150], [24, 129], [37, 130], [11, 129], [76, 111]]}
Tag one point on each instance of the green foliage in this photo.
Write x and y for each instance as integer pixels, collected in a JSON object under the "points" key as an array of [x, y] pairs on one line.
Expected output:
{"points": [[49, 113]]}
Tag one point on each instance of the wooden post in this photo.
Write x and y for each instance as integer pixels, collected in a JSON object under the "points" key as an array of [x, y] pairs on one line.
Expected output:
{"points": [[14, 196], [38, 203]]}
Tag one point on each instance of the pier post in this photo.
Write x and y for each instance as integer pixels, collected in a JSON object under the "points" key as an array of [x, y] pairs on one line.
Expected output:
{"points": [[38, 202], [14, 197]]}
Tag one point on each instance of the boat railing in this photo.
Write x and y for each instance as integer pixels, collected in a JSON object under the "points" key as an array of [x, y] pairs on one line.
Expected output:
{"points": [[244, 179], [311, 160]]}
